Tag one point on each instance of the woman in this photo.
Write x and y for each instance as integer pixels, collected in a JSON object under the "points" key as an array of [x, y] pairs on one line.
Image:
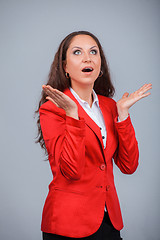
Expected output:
{"points": [[82, 130]]}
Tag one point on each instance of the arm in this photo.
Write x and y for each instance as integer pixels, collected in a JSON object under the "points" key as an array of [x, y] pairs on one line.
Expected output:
{"points": [[127, 154], [64, 138]]}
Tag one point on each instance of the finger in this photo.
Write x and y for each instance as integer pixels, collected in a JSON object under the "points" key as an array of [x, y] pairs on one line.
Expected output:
{"points": [[145, 95], [58, 99], [48, 88], [51, 96], [142, 87], [56, 92], [126, 94], [145, 86], [146, 90], [149, 86], [49, 92]]}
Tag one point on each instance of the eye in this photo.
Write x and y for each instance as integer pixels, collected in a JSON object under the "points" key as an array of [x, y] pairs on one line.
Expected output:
{"points": [[77, 52], [93, 52]]}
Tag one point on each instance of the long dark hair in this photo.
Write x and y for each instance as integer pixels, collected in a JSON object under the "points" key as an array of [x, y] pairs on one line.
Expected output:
{"points": [[57, 78]]}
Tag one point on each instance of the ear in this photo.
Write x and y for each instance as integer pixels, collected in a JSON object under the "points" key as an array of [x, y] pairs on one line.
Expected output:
{"points": [[64, 65]]}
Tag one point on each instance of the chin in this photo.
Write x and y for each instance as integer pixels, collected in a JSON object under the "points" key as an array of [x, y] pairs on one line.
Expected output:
{"points": [[84, 80]]}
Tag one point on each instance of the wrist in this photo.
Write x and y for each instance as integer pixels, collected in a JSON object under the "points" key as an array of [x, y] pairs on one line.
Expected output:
{"points": [[73, 114], [122, 113]]}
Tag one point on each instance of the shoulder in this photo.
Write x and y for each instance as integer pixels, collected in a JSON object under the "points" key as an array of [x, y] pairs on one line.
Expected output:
{"points": [[49, 107], [108, 103], [107, 100]]}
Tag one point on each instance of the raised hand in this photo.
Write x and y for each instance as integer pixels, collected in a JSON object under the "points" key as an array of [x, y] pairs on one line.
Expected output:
{"points": [[61, 100], [127, 100]]}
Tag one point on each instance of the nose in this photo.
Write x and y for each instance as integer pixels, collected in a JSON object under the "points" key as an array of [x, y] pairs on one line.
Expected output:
{"points": [[86, 57]]}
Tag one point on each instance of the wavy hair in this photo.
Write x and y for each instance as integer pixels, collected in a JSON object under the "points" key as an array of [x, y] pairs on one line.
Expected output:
{"points": [[57, 78]]}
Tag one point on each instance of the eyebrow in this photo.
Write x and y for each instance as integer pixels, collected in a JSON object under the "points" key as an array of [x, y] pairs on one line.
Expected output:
{"points": [[81, 48]]}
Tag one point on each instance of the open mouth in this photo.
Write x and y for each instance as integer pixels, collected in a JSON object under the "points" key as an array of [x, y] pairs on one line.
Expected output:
{"points": [[87, 69]]}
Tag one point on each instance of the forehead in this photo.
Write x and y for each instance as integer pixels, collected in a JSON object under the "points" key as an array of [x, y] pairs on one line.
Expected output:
{"points": [[83, 41]]}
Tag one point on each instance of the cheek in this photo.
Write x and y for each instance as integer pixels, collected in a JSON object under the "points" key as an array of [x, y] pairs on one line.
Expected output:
{"points": [[98, 65], [72, 64], [97, 61], [74, 68]]}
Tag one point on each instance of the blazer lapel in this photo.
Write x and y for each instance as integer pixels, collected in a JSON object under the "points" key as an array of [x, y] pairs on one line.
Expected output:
{"points": [[82, 113], [108, 118]]}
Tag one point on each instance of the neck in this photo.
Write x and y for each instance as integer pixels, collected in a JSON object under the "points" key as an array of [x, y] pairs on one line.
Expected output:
{"points": [[85, 93]]}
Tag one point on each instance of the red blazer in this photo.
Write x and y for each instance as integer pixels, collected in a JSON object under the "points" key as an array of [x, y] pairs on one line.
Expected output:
{"points": [[83, 180]]}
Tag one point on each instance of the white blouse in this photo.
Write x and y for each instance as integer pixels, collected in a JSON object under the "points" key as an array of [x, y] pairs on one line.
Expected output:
{"points": [[94, 112]]}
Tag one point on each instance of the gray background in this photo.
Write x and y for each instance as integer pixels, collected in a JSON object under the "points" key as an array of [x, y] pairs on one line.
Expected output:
{"points": [[30, 34]]}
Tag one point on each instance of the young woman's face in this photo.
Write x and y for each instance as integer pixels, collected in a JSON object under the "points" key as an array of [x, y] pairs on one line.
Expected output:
{"points": [[83, 61]]}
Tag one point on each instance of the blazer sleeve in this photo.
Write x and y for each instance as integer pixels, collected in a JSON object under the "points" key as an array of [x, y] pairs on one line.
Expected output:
{"points": [[127, 153], [64, 140]]}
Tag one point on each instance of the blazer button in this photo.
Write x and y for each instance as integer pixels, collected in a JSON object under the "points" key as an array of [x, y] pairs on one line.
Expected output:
{"points": [[107, 187], [102, 167]]}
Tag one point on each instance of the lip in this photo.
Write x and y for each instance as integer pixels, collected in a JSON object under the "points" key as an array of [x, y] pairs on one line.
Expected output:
{"points": [[87, 73], [88, 67]]}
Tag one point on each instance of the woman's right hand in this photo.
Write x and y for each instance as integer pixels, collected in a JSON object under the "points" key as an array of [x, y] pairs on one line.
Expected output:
{"points": [[61, 100]]}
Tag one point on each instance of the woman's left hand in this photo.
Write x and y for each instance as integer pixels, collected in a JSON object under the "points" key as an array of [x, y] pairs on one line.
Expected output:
{"points": [[127, 100]]}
